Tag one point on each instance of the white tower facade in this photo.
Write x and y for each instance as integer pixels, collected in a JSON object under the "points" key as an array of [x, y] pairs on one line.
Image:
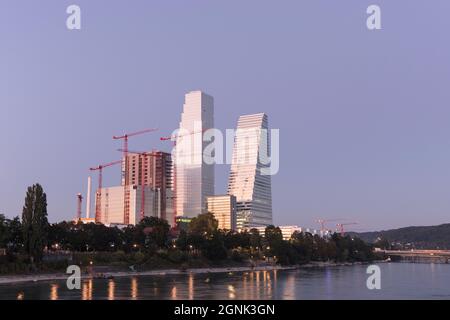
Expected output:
{"points": [[251, 188], [88, 198], [194, 179]]}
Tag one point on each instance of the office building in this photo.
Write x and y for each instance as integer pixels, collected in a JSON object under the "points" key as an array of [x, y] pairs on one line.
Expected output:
{"points": [[251, 188], [223, 207], [194, 178]]}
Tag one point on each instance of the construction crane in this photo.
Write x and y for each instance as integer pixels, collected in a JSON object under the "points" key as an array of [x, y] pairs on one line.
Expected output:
{"points": [[125, 182], [173, 138], [144, 155], [323, 221], [340, 226], [100, 168], [125, 138], [79, 203]]}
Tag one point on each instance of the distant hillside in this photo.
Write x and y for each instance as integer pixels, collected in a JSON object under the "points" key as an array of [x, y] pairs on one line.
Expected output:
{"points": [[429, 237]]}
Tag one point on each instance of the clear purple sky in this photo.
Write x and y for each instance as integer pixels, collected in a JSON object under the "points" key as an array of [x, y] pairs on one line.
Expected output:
{"points": [[363, 115]]}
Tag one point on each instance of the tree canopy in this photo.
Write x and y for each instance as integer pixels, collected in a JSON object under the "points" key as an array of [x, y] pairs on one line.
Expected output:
{"points": [[34, 222]]}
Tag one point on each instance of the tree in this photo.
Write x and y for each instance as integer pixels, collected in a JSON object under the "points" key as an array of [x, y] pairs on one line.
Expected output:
{"points": [[204, 224], [15, 235], [255, 238], [182, 241], [34, 222], [273, 234], [303, 245], [272, 238], [214, 248], [4, 231], [233, 239], [156, 231]]}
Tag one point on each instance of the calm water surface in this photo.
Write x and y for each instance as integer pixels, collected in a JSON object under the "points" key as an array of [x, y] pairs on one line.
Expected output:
{"points": [[398, 281]]}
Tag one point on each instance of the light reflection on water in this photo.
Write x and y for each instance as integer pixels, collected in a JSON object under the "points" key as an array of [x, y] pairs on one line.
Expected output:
{"points": [[399, 281], [87, 289], [111, 289], [54, 291], [134, 288]]}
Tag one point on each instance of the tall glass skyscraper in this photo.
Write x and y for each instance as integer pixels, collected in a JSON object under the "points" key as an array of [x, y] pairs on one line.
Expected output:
{"points": [[252, 189], [194, 179]]}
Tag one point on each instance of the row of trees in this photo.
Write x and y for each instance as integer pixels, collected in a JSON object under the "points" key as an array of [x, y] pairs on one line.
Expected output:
{"points": [[301, 248], [34, 234]]}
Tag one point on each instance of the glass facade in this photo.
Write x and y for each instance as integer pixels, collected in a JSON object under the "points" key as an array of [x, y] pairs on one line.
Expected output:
{"points": [[252, 189], [194, 179]]}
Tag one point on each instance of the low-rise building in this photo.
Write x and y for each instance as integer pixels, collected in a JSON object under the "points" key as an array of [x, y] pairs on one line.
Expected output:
{"points": [[223, 207], [112, 205], [86, 220], [286, 231]]}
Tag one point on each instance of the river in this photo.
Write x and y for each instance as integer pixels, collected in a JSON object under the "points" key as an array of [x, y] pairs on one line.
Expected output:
{"points": [[398, 281]]}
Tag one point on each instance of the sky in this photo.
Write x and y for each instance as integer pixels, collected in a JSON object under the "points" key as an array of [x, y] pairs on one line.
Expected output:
{"points": [[363, 115]]}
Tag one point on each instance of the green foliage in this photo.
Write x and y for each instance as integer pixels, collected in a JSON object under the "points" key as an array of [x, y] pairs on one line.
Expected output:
{"points": [[146, 245], [273, 235], [236, 255], [204, 224], [136, 244], [34, 222], [155, 230], [4, 231], [255, 239], [182, 242], [233, 239], [214, 249], [177, 256]]}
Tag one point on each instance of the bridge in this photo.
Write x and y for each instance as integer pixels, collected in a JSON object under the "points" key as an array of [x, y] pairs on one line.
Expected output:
{"points": [[413, 255]]}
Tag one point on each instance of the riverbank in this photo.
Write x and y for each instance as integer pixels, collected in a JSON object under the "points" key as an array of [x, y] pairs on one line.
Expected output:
{"points": [[114, 274]]}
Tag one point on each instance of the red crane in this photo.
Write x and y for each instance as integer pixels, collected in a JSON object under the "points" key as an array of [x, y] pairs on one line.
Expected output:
{"points": [[79, 203], [125, 178], [144, 155], [125, 142], [173, 138], [323, 221], [341, 226], [100, 168]]}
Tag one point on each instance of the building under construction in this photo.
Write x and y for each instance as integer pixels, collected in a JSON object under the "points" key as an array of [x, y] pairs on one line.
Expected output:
{"points": [[112, 204], [146, 190], [154, 170]]}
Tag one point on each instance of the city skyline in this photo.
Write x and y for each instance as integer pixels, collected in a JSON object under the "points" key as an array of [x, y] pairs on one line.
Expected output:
{"points": [[362, 115]]}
